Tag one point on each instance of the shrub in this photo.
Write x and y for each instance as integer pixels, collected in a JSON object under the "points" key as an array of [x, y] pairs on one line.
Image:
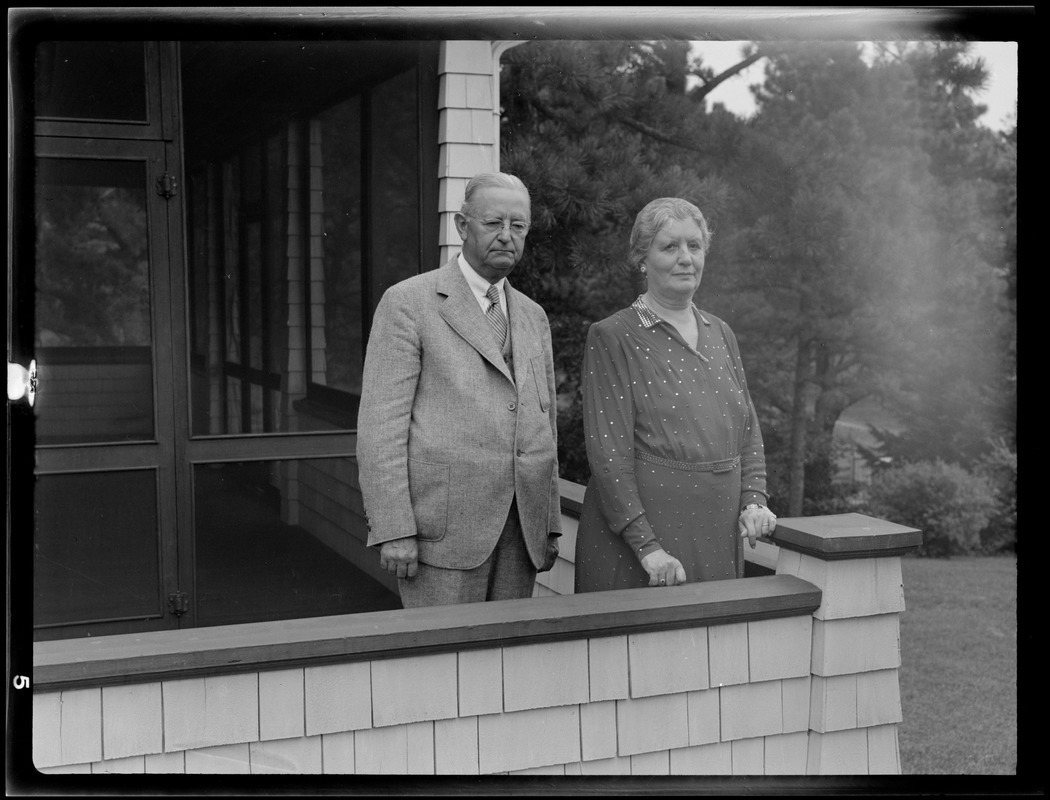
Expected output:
{"points": [[841, 497], [999, 466], [950, 505]]}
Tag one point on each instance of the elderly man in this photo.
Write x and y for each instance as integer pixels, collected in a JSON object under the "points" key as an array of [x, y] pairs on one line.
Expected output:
{"points": [[457, 427]]}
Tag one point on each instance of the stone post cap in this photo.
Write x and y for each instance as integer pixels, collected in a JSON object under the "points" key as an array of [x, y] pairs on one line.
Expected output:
{"points": [[837, 536]]}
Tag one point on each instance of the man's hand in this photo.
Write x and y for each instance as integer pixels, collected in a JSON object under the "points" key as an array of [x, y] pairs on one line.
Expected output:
{"points": [[400, 557], [552, 554]]}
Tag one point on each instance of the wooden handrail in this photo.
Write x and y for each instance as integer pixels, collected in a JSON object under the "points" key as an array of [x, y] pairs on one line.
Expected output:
{"points": [[199, 652]]}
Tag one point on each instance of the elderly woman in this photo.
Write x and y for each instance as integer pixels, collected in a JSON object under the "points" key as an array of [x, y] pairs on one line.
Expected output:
{"points": [[678, 469]]}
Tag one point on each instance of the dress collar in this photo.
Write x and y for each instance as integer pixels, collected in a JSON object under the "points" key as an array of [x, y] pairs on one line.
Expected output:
{"points": [[649, 318]]}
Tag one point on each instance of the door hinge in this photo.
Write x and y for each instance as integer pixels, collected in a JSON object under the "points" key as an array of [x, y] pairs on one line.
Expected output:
{"points": [[179, 603], [167, 186]]}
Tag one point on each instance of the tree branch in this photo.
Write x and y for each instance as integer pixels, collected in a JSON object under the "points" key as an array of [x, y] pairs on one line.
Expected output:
{"points": [[653, 133], [710, 86]]}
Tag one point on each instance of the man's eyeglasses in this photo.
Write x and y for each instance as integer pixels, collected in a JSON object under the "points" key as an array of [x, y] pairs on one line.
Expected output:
{"points": [[517, 228]]}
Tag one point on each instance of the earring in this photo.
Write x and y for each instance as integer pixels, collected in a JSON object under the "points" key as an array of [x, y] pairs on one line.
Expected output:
{"points": [[643, 270]]}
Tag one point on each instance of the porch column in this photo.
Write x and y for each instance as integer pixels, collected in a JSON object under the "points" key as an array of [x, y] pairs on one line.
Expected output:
{"points": [[855, 705], [468, 125]]}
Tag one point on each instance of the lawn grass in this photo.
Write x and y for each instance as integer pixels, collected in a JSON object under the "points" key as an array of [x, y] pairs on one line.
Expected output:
{"points": [[958, 675]]}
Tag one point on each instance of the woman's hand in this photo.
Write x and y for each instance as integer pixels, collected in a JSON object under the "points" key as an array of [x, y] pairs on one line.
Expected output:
{"points": [[663, 568], [756, 521]]}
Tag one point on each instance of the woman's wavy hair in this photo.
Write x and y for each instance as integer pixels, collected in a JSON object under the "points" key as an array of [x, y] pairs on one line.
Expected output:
{"points": [[654, 216]]}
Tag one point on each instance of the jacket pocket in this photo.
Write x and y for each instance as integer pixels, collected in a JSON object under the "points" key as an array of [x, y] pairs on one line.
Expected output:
{"points": [[539, 377], [428, 488]]}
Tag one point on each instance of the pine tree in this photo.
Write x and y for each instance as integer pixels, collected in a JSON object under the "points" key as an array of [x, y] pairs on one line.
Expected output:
{"points": [[858, 239], [863, 222], [596, 130]]}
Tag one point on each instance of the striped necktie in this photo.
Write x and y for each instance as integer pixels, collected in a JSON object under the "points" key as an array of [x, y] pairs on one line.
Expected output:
{"points": [[496, 317]]}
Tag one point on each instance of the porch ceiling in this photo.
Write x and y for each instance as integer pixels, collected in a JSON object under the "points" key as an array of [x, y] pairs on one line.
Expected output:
{"points": [[237, 89]]}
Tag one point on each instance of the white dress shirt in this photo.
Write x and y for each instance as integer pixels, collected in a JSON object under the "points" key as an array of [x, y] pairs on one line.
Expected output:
{"points": [[479, 286]]}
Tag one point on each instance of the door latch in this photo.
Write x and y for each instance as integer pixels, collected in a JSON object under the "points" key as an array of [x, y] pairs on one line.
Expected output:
{"points": [[21, 382], [167, 186], [179, 603]]}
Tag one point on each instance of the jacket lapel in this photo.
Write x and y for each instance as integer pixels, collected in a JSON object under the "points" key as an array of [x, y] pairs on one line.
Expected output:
{"points": [[461, 311], [521, 333]]}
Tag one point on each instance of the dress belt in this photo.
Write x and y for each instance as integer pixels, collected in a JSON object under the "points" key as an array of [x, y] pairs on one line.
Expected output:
{"points": [[724, 465]]}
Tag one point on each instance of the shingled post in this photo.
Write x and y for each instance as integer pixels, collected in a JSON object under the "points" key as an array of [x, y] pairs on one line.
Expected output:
{"points": [[855, 704]]}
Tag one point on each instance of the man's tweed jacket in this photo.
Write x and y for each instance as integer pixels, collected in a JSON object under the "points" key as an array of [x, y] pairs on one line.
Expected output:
{"points": [[446, 435]]}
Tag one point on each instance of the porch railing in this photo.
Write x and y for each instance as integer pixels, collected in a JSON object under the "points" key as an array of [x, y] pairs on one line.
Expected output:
{"points": [[790, 673]]}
